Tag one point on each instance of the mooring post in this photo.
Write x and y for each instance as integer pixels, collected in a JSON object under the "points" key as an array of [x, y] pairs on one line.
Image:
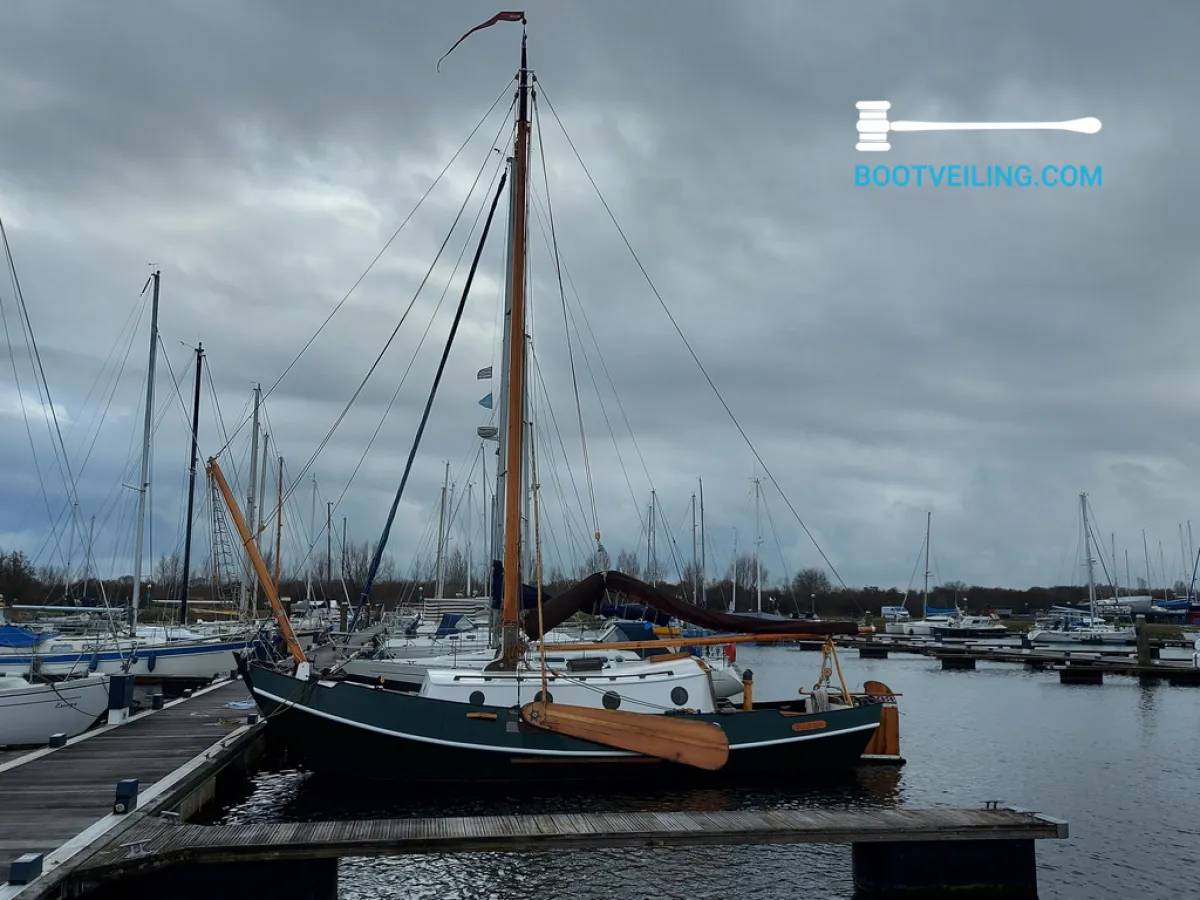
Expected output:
{"points": [[958, 662], [883, 869], [120, 698], [299, 879], [1143, 642], [1080, 673], [25, 868], [126, 797]]}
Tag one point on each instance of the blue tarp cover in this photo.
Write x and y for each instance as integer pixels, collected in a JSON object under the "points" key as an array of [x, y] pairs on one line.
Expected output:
{"points": [[13, 636]]}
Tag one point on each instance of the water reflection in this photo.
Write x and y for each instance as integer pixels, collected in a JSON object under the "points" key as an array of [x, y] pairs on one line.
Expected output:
{"points": [[296, 796]]}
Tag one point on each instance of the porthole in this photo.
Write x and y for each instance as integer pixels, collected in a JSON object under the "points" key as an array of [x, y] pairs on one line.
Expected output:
{"points": [[476, 698], [679, 696], [611, 700], [538, 697]]}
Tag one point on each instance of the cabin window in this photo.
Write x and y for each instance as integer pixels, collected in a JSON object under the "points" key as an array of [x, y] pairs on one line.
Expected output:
{"points": [[538, 697], [476, 698], [679, 696], [611, 700]]}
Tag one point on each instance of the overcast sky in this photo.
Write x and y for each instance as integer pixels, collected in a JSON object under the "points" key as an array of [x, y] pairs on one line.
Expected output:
{"points": [[986, 354]]}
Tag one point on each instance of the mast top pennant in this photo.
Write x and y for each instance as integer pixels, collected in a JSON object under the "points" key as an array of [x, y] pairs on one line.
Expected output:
{"points": [[506, 16]]}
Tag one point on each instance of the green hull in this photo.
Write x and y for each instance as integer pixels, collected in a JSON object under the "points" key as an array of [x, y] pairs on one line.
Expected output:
{"points": [[371, 732]]}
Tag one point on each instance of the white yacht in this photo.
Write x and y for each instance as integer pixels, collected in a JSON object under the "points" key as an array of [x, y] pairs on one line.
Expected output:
{"points": [[154, 653], [1068, 626]]}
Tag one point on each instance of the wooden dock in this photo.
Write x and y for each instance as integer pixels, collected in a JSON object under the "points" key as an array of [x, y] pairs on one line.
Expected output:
{"points": [[58, 802], [893, 848], [1099, 660], [161, 843]]}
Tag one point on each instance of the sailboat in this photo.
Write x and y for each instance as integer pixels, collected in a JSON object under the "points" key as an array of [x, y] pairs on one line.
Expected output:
{"points": [[1068, 628], [151, 653], [30, 713], [931, 617], [937, 623], [509, 721]]}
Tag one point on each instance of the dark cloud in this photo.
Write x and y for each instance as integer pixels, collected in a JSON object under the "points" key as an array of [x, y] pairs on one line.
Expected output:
{"points": [[984, 353]]}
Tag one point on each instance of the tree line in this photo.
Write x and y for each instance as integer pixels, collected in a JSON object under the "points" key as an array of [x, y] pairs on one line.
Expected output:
{"points": [[809, 590]]}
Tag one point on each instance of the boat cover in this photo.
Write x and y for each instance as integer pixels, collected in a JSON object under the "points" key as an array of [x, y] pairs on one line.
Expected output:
{"points": [[15, 636], [592, 593]]}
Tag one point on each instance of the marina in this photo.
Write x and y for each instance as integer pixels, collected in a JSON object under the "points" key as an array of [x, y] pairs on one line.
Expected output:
{"points": [[139, 850], [402, 604], [77, 834]]}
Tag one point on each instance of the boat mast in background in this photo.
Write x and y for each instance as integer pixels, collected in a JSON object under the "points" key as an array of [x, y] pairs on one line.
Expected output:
{"points": [[440, 567], [925, 595], [703, 584], [144, 482], [1090, 562], [757, 546], [247, 567], [191, 501]]}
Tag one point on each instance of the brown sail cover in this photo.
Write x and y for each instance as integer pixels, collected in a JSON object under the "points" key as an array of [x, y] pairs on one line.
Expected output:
{"points": [[589, 595]]}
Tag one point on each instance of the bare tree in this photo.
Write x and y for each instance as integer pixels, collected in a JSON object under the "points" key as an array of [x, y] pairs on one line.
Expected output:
{"points": [[742, 572], [51, 575], [690, 571], [168, 572], [455, 571], [810, 581], [627, 562], [387, 568]]}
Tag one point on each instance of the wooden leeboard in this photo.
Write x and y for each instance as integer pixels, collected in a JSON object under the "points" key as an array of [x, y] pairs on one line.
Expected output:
{"points": [[690, 742]]}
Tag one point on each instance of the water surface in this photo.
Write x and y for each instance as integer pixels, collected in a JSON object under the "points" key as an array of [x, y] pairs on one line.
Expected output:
{"points": [[1118, 761]]}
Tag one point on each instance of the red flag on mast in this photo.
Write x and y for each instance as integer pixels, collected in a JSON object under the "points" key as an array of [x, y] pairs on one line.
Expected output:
{"points": [[508, 16]]}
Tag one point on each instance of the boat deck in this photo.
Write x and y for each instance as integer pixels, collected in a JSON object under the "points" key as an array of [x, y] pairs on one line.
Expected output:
{"points": [[52, 795]]}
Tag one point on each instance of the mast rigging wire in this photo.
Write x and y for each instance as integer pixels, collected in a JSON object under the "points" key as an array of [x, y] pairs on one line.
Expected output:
{"points": [[587, 467], [437, 379], [395, 331], [379, 255], [687, 344], [378, 359]]}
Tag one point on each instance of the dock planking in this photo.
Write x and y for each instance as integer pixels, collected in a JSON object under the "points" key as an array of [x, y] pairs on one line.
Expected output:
{"points": [[157, 843], [52, 796], [1116, 660]]}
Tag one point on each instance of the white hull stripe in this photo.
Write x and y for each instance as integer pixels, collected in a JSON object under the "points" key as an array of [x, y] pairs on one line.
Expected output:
{"points": [[350, 723]]}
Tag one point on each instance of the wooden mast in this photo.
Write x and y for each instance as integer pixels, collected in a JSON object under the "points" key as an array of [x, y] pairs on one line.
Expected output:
{"points": [[510, 635]]}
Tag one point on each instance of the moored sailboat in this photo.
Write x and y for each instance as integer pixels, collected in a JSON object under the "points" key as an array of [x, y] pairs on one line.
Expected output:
{"points": [[519, 718], [1080, 629]]}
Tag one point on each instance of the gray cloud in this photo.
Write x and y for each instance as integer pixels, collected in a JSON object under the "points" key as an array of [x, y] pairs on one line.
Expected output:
{"points": [[984, 353]]}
